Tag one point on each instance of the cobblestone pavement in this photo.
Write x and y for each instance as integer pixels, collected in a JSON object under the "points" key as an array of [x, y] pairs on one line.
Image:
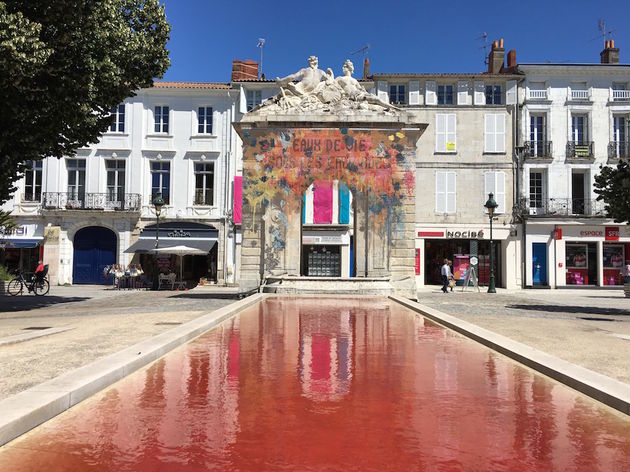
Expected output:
{"points": [[101, 322], [590, 328]]}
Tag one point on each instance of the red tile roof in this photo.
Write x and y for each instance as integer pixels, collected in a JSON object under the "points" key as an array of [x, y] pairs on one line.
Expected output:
{"points": [[192, 85]]}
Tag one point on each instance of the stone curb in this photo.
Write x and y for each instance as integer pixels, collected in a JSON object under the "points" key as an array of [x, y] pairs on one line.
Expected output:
{"points": [[26, 410], [609, 391]]}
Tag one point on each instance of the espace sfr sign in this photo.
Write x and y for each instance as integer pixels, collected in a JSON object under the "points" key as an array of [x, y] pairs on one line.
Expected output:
{"points": [[612, 233]]}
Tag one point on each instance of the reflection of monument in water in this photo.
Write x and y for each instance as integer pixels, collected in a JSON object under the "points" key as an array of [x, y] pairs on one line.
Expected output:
{"points": [[328, 143]]}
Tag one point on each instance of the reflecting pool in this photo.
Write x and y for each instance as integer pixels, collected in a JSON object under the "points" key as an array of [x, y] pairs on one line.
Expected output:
{"points": [[315, 384]]}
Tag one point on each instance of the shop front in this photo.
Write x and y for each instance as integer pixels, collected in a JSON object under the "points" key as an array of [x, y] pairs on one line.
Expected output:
{"points": [[22, 247], [326, 253]]}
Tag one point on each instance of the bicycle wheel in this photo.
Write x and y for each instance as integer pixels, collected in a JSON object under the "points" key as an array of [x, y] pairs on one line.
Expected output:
{"points": [[41, 287], [15, 287]]}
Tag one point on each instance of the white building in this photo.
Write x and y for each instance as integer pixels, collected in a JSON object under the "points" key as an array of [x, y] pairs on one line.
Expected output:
{"points": [[574, 120]]}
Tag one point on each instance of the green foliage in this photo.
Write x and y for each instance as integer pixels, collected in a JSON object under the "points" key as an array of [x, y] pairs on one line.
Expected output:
{"points": [[612, 186], [5, 274], [7, 223], [63, 65]]}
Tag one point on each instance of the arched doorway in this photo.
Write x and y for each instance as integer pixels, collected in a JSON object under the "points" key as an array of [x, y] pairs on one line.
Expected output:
{"points": [[94, 248]]}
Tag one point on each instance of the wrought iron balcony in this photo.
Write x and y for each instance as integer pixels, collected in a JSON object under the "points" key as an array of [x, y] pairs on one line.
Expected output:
{"points": [[560, 207], [204, 197], [580, 149], [540, 149], [618, 149], [91, 201]]}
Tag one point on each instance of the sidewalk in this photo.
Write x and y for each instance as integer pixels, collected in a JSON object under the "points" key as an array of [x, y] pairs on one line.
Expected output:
{"points": [[589, 328]]}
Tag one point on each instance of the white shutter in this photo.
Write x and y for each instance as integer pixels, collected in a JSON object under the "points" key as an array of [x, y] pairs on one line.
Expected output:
{"points": [[499, 194], [510, 92], [440, 132], [489, 132], [430, 97], [242, 101], [382, 91], [499, 130], [480, 93], [488, 178], [450, 192], [440, 192], [462, 92], [451, 134], [414, 92]]}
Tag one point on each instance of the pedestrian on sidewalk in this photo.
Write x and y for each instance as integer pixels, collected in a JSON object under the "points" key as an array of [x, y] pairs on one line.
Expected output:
{"points": [[451, 278], [445, 273]]}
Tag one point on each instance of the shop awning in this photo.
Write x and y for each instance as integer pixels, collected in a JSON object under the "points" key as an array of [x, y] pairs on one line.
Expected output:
{"points": [[147, 245], [19, 243]]}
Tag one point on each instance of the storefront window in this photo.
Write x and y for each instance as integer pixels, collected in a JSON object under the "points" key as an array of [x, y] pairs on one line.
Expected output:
{"points": [[581, 263], [613, 261]]}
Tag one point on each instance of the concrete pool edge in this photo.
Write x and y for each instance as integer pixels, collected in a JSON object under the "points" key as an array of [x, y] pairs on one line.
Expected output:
{"points": [[606, 390], [26, 410]]}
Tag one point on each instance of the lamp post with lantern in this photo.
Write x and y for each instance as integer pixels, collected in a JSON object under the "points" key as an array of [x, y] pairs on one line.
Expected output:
{"points": [[158, 203], [491, 205]]}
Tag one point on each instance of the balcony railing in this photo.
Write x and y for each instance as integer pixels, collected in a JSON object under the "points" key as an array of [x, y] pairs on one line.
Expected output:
{"points": [[618, 149], [540, 149], [91, 201], [580, 149], [579, 95], [204, 197], [563, 207], [538, 95], [621, 95]]}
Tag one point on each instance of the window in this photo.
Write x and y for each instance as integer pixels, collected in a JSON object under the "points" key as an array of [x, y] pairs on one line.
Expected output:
{"points": [[536, 188], [161, 119], [115, 181], [254, 98], [495, 184], [445, 191], [76, 179], [445, 132], [579, 129], [161, 180], [204, 183], [118, 126], [620, 91], [494, 133], [445, 94], [33, 182], [620, 136], [397, 95], [204, 120], [493, 94], [537, 137]]}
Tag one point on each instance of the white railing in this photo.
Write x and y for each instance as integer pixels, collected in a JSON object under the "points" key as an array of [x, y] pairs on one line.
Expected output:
{"points": [[579, 94], [538, 94], [621, 94]]}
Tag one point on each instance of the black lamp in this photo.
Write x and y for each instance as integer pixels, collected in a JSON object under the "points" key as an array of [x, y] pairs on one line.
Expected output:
{"points": [[490, 205], [158, 203]]}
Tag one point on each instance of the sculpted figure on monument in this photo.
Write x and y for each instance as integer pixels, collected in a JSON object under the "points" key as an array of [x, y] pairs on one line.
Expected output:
{"points": [[309, 77], [353, 89]]}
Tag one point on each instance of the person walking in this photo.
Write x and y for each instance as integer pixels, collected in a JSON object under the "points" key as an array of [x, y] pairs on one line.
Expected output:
{"points": [[445, 273], [451, 279]]}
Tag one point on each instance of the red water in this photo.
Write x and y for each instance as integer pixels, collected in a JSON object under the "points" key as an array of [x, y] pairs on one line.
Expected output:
{"points": [[316, 384]]}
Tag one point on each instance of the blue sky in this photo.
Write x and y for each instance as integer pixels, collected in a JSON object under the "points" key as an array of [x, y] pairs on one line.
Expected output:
{"points": [[404, 36]]}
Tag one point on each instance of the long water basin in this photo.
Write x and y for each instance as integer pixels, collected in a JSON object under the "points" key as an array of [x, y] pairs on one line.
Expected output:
{"points": [[314, 384]]}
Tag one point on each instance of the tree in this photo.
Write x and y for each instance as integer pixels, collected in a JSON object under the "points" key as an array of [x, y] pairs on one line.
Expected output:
{"points": [[64, 65], [612, 186]]}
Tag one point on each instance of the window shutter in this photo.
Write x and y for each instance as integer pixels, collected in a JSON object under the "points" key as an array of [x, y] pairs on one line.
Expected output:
{"points": [[430, 97], [510, 92], [440, 132], [462, 92], [489, 131], [499, 130], [440, 192], [480, 93], [488, 178], [499, 194], [450, 192], [382, 91], [414, 92], [242, 101], [451, 135]]}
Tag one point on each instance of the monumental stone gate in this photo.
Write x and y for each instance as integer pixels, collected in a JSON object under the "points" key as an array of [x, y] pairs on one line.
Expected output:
{"points": [[325, 130]]}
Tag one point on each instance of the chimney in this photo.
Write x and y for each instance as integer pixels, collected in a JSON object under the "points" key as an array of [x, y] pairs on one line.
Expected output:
{"points": [[610, 54], [511, 60], [244, 70], [496, 58], [366, 68]]}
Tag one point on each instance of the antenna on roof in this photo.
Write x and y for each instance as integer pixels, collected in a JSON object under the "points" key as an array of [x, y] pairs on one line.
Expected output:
{"points": [[362, 50], [484, 46], [261, 43], [604, 33]]}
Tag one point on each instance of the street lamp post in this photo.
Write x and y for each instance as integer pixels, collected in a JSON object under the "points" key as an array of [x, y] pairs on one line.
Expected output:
{"points": [[158, 203], [491, 205]]}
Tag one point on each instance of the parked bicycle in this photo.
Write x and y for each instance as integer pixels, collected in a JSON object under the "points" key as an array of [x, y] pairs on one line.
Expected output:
{"points": [[38, 284]]}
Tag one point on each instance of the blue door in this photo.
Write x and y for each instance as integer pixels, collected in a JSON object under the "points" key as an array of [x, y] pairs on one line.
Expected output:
{"points": [[539, 263], [94, 248]]}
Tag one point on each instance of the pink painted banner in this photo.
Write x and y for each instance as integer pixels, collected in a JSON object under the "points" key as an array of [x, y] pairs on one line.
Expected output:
{"points": [[322, 202], [238, 199]]}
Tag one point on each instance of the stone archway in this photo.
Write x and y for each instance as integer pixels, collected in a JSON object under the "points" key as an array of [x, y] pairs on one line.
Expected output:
{"points": [[94, 248]]}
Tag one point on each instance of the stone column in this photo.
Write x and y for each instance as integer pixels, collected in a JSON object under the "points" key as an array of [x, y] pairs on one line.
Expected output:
{"points": [[51, 252]]}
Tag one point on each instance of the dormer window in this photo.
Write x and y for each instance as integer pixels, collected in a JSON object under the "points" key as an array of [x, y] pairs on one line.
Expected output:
{"points": [[493, 94], [254, 98], [445, 94], [397, 94]]}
